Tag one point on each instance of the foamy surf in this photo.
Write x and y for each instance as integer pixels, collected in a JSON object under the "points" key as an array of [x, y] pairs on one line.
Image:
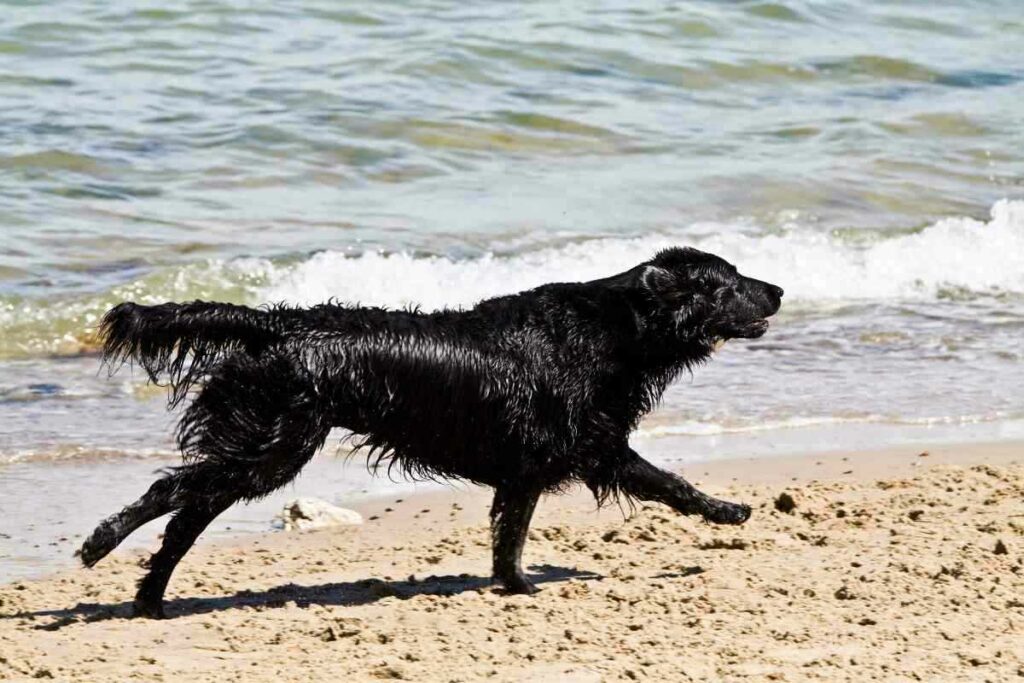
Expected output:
{"points": [[658, 428], [84, 454], [954, 253], [959, 256]]}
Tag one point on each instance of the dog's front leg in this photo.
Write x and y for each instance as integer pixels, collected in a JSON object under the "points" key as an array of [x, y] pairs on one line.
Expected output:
{"points": [[641, 479], [510, 521]]}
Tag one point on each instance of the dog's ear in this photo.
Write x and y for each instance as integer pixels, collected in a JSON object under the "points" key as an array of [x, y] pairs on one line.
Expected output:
{"points": [[658, 281]]}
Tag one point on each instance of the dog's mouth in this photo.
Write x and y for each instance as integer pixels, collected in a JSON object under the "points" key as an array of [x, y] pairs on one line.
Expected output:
{"points": [[752, 330]]}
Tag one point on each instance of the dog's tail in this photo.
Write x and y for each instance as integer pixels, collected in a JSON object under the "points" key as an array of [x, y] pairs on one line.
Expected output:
{"points": [[181, 343]]}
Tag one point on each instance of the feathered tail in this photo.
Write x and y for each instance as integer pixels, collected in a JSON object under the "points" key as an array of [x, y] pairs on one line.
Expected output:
{"points": [[180, 343]]}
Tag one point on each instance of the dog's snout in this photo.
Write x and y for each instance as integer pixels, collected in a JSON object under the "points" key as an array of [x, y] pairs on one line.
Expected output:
{"points": [[773, 296]]}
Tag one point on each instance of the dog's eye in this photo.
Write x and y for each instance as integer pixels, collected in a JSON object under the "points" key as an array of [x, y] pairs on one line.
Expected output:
{"points": [[705, 282]]}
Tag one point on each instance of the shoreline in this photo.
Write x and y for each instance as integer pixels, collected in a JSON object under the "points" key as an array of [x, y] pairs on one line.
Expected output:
{"points": [[41, 540], [904, 580]]}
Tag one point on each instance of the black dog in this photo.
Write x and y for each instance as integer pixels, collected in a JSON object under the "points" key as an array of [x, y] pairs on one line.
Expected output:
{"points": [[527, 393]]}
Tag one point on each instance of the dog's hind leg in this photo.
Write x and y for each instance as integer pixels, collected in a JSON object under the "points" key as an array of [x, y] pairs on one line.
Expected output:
{"points": [[641, 479], [510, 521], [157, 501], [255, 424], [181, 533], [208, 489]]}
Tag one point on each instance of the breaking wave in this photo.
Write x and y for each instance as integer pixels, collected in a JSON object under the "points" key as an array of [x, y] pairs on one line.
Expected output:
{"points": [[957, 256], [954, 253]]}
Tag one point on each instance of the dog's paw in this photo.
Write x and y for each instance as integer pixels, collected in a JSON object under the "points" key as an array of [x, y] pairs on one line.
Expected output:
{"points": [[517, 584], [148, 609], [90, 553], [721, 512], [99, 544]]}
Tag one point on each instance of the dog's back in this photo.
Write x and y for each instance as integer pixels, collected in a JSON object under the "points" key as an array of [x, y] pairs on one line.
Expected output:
{"points": [[430, 391]]}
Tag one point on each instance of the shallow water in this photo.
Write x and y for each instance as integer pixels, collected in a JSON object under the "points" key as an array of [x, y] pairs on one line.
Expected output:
{"points": [[863, 155]]}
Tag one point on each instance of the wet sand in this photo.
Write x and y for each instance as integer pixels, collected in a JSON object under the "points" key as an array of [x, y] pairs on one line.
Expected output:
{"points": [[893, 565]]}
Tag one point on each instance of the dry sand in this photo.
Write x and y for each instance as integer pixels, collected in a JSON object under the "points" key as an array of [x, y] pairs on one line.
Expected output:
{"points": [[892, 566]]}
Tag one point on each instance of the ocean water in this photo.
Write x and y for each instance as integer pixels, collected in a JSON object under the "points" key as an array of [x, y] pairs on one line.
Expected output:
{"points": [[866, 156]]}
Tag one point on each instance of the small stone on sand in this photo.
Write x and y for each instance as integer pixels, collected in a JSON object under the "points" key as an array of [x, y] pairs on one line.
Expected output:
{"points": [[785, 503]]}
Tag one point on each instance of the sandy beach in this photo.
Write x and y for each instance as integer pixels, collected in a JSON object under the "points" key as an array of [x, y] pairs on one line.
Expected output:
{"points": [[903, 564]]}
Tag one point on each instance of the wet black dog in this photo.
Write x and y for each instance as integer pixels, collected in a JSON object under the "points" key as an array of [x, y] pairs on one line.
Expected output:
{"points": [[527, 393]]}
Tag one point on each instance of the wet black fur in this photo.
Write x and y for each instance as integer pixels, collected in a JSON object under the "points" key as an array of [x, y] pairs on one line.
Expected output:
{"points": [[527, 393]]}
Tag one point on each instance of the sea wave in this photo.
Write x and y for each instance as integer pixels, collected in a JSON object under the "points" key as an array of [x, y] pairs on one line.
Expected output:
{"points": [[83, 454], [658, 428], [958, 255], [954, 253]]}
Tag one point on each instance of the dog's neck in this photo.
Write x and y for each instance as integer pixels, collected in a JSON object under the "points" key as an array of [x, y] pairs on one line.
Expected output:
{"points": [[666, 347]]}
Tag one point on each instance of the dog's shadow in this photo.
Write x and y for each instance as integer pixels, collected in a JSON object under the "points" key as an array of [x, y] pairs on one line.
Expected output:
{"points": [[346, 593]]}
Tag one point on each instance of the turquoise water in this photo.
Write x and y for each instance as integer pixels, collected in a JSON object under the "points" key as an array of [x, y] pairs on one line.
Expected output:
{"points": [[864, 155]]}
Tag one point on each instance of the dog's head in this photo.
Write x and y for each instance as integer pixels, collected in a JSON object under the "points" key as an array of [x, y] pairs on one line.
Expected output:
{"points": [[706, 297]]}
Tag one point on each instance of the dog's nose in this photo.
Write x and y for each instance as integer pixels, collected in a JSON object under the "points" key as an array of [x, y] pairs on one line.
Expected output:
{"points": [[777, 291]]}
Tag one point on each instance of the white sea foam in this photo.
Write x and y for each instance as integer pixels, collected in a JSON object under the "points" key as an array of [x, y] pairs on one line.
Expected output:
{"points": [[953, 254], [678, 427], [964, 253]]}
